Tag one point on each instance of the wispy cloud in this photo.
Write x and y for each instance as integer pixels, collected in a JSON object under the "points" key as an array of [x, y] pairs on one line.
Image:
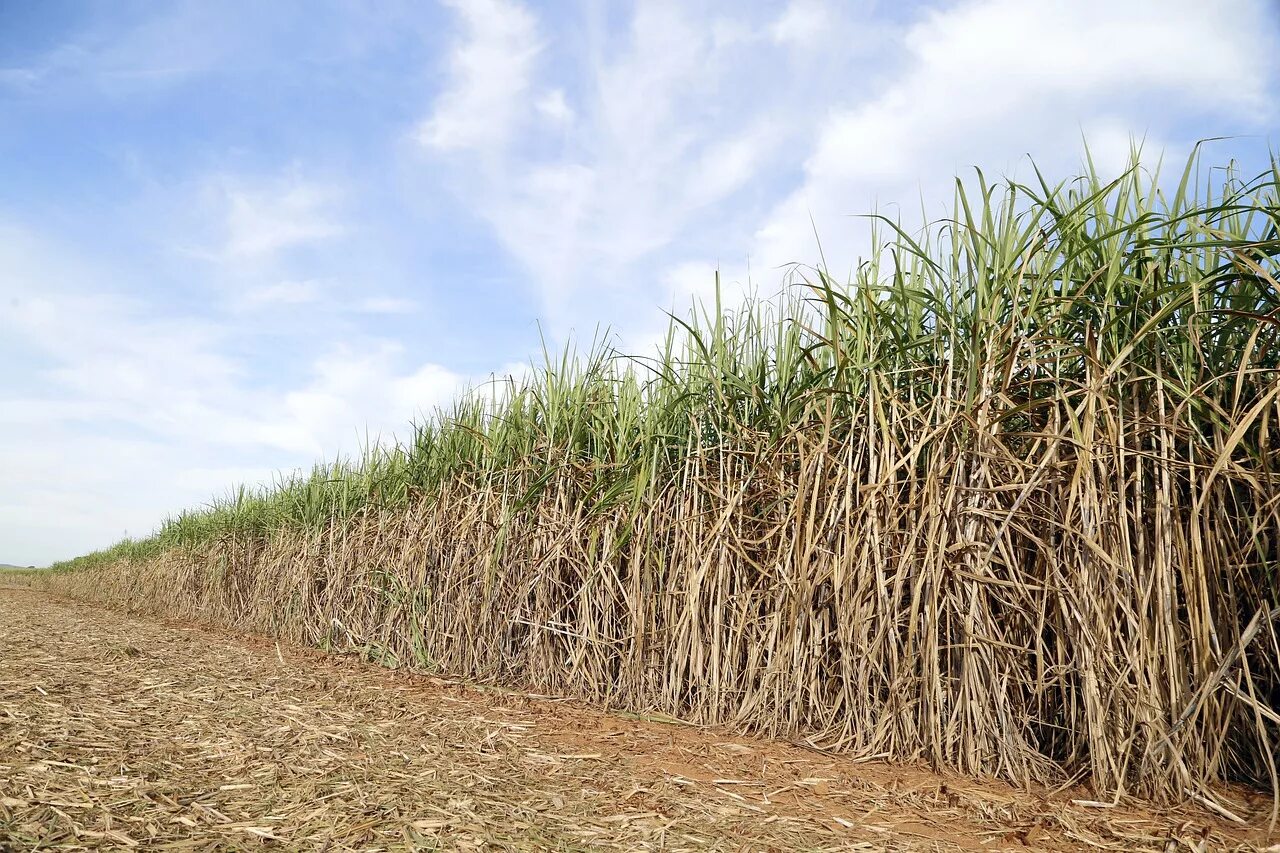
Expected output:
{"points": [[385, 305], [554, 107], [490, 70], [665, 127], [803, 22], [262, 220], [132, 54], [283, 293], [321, 298]]}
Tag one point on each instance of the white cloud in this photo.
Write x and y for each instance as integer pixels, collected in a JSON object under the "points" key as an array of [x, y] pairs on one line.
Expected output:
{"points": [[295, 293], [212, 481], [727, 165], [69, 491], [185, 39], [385, 305], [489, 77], [421, 392], [262, 220], [357, 393], [24, 79], [172, 377], [802, 23], [283, 293], [554, 107]]}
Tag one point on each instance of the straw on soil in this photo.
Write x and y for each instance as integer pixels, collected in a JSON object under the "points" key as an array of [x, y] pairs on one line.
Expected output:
{"points": [[121, 732]]}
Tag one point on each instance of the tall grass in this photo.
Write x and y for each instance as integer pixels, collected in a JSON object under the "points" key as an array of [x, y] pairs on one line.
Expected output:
{"points": [[1007, 502]]}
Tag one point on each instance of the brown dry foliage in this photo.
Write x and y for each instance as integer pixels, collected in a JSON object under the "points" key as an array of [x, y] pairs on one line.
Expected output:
{"points": [[779, 592]]}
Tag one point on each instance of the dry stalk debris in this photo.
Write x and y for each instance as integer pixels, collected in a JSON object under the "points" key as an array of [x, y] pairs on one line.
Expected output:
{"points": [[119, 732]]}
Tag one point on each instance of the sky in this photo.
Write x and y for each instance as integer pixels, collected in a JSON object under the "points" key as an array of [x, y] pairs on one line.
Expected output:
{"points": [[240, 237]]}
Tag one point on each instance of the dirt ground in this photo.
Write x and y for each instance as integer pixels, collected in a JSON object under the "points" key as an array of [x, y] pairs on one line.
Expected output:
{"points": [[121, 732]]}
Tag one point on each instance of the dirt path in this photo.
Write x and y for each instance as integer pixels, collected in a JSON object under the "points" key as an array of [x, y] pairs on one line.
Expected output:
{"points": [[121, 732]]}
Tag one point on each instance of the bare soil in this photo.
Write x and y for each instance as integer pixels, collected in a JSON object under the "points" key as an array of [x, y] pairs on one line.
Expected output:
{"points": [[123, 732]]}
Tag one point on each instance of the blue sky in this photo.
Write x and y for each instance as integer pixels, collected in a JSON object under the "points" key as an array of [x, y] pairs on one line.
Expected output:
{"points": [[236, 237]]}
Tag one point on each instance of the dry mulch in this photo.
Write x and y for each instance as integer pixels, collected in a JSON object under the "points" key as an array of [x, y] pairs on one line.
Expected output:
{"points": [[121, 732]]}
